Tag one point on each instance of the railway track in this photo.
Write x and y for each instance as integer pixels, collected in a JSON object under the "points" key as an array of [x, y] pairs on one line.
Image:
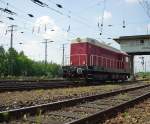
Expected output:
{"points": [[16, 85], [28, 80], [20, 86], [83, 110]]}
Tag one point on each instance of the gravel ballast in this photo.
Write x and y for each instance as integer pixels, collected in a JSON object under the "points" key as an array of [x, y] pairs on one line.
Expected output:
{"points": [[18, 99], [140, 114]]}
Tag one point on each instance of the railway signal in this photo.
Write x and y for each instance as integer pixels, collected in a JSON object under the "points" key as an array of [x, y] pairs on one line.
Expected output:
{"points": [[142, 61]]}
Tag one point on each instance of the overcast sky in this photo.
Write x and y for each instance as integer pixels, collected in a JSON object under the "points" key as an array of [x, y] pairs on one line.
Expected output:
{"points": [[77, 18]]}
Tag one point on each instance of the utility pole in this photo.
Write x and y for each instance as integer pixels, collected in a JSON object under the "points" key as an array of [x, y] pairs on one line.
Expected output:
{"points": [[63, 54], [11, 30], [63, 58], [147, 29], [145, 67], [11, 36], [46, 41]]}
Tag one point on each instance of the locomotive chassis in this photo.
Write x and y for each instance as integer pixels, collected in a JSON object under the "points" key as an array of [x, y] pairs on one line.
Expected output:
{"points": [[94, 73]]}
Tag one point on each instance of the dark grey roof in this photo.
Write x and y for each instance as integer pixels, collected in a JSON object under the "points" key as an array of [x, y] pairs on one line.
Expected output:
{"points": [[134, 37]]}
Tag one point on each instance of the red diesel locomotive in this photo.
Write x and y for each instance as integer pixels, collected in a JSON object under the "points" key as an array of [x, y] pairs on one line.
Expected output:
{"points": [[90, 59]]}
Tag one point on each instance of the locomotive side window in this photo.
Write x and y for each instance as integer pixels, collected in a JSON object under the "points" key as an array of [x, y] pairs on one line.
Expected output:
{"points": [[127, 59]]}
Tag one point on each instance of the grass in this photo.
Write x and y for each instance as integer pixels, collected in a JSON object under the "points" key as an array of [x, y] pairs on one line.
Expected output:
{"points": [[20, 78], [38, 118], [5, 115], [143, 75], [125, 114]]}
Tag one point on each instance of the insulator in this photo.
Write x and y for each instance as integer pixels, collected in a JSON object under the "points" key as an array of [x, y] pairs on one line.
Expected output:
{"points": [[98, 24], [124, 24], [45, 28], [30, 15], [68, 28], [109, 25], [38, 29], [58, 5], [10, 18], [32, 30]]}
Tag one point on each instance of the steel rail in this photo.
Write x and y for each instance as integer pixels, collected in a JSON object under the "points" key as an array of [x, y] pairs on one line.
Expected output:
{"points": [[30, 86], [28, 80], [3, 81], [22, 85], [17, 113], [101, 116]]}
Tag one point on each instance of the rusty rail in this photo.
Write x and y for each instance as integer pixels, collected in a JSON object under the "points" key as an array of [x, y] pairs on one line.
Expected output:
{"points": [[33, 110]]}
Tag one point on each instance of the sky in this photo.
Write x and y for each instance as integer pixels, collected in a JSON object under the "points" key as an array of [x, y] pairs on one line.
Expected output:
{"points": [[77, 18]]}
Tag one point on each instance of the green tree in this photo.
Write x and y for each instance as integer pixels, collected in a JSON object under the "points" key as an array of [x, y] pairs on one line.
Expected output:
{"points": [[53, 69], [24, 65], [12, 55], [3, 69], [18, 64]]}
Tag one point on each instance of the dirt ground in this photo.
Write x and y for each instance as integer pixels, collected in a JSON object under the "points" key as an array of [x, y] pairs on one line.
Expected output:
{"points": [[140, 114]]}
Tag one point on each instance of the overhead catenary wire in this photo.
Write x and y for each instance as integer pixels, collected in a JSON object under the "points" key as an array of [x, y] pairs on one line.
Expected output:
{"points": [[73, 17], [22, 17], [102, 18], [8, 11], [146, 6], [20, 10], [91, 6], [19, 15], [64, 15], [25, 12]]}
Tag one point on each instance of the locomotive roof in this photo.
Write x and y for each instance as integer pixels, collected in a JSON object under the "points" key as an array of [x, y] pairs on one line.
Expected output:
{"points": [[97, 43]]}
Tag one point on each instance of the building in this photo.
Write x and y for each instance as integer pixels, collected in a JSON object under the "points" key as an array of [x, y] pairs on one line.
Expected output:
{"points": [[134, 45]]}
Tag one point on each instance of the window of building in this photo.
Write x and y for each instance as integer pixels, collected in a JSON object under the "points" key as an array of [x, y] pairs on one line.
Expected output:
{"points": [[141, 41]]}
